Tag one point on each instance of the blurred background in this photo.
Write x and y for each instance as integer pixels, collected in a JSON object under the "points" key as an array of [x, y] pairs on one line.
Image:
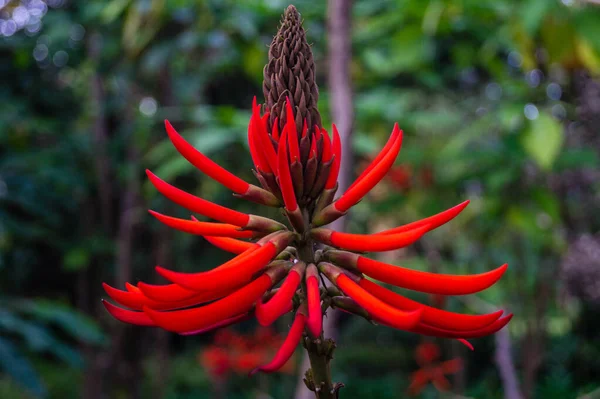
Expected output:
{"points": [[500, 104]]}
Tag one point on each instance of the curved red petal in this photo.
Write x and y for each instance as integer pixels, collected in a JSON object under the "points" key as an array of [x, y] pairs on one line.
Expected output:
{"points": [[285, 178], [128, 316], [270, 311], [240, 301], [288, 347], [337, 159], [292, 134], [378, 158], [203, 228], [230, 244], [221, 324], [205, 164], [197, 204], [315, 316], [433, 283], [237, 271], [435, 317], [137, 300], [425, 329], [434, 221], [367, 243], [364, 185], [256, 152], [378, 309]]}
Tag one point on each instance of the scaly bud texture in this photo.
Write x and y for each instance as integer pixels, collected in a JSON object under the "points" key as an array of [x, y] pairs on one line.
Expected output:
{"points": [[297, 164]]}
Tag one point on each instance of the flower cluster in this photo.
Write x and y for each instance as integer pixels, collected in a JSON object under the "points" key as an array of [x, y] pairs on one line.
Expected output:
{"points": [[297, 165]]}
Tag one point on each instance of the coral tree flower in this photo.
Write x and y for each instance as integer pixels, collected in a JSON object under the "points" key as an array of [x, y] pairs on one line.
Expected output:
{"points": [[296, 162]]}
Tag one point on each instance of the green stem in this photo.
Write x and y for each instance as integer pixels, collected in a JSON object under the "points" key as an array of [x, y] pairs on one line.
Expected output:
{"points": [[318, 376], [320, 350]]}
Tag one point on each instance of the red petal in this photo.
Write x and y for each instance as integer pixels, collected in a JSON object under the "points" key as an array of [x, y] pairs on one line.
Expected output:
{"points": [[337, 159], [258, 156], [166, 293], [315, 317], [444, 333], [327, 151], [375, 162], [231, 274], [435, 317], [285, 178], [275, 130], [221, 324], [268, 312], [364, 185], [366, 243], [206, 165], [186, 320], [378, 309], [434, 221], [292, 134], [443, 284], [263, 141], [288, 347], [128, 316], [466, 343], [203, 228], [137, 301], [199, 205], [230, 244]]}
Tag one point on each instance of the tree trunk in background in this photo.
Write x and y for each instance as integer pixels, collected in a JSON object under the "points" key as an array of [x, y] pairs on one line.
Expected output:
{"points": [[342, 112], [95, 361], [506, 366]]}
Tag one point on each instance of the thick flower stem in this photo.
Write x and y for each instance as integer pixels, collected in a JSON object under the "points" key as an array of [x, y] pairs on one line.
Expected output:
{"points": [[318, 377], [320, 350]]}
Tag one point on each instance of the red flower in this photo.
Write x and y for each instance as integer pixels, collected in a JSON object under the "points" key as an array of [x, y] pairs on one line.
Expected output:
{"points": [[297, 164], [245, 284], [427, 355]]}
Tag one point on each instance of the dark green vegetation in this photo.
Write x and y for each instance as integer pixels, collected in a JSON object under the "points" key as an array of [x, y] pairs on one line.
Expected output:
{"points": [[499, 102]]}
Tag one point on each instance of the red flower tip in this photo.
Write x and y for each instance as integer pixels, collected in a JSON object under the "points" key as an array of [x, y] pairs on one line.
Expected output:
{"points": [[368, 243], [128, 316], [240, 301], [289, 345], [433, 221], [433, 283], [315, 316], [275, 130], [285, 178], [204, 164], [267, 313], [196, 204], [203, 228], [466, 343], [231, 274], [380, 311], [336, 149], [230, 244], [364, 184]]}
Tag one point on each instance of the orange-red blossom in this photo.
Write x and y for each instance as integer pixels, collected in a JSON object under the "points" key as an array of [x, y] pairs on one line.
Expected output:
{"points": [[297, 171]]}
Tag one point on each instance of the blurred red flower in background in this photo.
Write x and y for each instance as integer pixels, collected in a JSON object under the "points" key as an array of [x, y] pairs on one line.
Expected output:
{"points": [[235, 353], [432, 370]]}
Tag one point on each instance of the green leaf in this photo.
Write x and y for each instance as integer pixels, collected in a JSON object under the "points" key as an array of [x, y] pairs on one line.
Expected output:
{"points": [[19, 368], [74, 323], [76, 259], [543, 140]]}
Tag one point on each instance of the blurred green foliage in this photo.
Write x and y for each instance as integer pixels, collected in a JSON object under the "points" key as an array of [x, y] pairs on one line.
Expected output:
{"points": [[490, 95]]}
